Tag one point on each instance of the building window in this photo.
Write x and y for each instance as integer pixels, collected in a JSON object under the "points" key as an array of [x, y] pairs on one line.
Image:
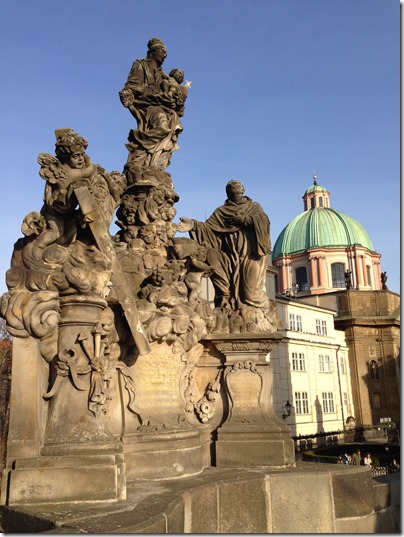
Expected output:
{"points": [[321, 327], [320, 199], [292, 321], [301, 403], [345, 399], [342, 365], [328, 402], [298, 361], [301, 279], [368, 272], [324, 363], [338, 274], [374, 370], [312, 203], [295, 322]]}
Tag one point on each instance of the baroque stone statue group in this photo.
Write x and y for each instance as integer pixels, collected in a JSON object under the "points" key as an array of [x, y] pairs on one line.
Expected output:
{"points": [[115, 330]]}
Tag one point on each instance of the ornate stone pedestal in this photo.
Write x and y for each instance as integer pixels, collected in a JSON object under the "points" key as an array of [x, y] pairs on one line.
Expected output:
{"points": [[159, 442], [251, 435]]}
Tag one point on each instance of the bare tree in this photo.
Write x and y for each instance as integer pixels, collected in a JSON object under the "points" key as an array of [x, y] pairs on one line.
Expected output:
{"points": [[5, 386], [4, 333]]}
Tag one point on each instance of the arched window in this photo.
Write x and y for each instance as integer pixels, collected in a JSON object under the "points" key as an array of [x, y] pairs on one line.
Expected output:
{"points": [[338, 274], [301, 279], [312, 203], [320, 200]]}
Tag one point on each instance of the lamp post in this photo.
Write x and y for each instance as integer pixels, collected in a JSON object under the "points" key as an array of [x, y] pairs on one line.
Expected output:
{"points": [[287, 410]]}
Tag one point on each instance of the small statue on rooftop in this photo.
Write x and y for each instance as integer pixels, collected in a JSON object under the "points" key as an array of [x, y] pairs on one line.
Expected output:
{"points": [[348, 278]]}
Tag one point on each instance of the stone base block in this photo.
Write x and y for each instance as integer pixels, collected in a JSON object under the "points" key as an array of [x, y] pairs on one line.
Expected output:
{"points": [[64, 479], [252, 449], [163, 455], [309, 499]]}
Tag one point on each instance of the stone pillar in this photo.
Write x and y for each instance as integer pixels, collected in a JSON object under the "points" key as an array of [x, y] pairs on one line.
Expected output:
{"points": [[359, 273], [63, 452], [28, 416], [285, 279], [251, 435], [322, 272], [313, 268], [378, 276], [364, 271]]}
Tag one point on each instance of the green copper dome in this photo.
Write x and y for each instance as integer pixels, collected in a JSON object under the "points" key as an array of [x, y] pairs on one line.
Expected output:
{"points": [[315, 188], [320, 228]]}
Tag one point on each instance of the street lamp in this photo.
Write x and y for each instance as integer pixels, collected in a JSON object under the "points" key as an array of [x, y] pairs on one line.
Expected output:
{"points": [[287, 410]]}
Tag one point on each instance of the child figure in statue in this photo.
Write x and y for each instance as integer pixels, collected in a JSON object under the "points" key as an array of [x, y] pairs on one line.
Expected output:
{"points": [[172, 85], [64, 175], [71, 168]]}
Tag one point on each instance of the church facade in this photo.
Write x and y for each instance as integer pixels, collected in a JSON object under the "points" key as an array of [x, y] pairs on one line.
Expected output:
{"points": [[323, 249], [325, 259]]}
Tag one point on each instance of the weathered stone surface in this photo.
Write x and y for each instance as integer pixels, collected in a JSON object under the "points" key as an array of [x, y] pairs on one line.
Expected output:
{"points": [[163, 455], [294, 500], [302, 504], [243, 507], [351, 484], [67, 484], [253, 450], [28, 413], [382, 496], [201, 510]]}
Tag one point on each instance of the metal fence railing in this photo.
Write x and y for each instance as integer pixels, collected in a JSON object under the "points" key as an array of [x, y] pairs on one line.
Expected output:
{"points": [[379, 470]]}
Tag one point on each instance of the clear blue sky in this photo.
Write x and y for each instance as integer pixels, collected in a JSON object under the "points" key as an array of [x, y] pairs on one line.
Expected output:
{"points": [[280, 88]]}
